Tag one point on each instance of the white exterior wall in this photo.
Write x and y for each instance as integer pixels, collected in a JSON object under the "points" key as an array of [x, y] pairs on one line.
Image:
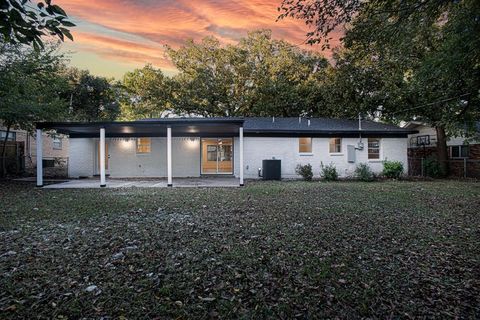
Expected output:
{"points": [[125, 162], [286, 149], [81, 157]]}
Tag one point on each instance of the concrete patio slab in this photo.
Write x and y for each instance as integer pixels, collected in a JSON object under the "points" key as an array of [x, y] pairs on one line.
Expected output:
{"points": [[207, 182]]}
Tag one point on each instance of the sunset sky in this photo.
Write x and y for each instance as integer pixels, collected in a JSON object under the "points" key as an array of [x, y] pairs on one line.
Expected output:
{"points": [[115, 36]]}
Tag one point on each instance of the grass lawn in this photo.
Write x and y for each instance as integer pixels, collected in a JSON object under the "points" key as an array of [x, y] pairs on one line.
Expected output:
{"points": [[280, 250]]}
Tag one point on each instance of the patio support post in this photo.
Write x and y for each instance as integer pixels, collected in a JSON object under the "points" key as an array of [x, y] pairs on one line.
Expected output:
{"points": [[102, 158], [39, 158], [169, 156], [241, 155]]}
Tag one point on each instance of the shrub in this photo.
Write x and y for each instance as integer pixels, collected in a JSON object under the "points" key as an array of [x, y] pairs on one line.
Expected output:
{"points": [[305, 171], [329, 172], [392, 169], [363, 172], [432, 168]]}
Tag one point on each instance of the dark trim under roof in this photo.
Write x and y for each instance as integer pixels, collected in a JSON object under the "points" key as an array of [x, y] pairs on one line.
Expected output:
{"points": [[227, 127]]}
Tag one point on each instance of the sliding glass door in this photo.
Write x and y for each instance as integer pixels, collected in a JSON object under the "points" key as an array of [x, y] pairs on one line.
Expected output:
{"points": [[217, 156]]}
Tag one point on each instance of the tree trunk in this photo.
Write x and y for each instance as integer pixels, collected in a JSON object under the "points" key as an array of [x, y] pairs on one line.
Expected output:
{"points": [[442, 149], [4, 151]]}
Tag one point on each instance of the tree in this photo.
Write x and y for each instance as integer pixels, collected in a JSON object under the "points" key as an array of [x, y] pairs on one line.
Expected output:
{"points": [[405, 60], [29, 88], [258, 77], [22, 21], [147, 93], [325, 16], [91, 98]]}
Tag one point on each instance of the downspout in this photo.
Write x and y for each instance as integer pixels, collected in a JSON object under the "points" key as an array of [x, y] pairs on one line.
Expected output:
{"points": [[360, 143]]}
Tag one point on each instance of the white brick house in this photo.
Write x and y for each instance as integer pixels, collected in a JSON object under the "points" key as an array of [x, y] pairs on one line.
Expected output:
{"points": [[193, 147]]}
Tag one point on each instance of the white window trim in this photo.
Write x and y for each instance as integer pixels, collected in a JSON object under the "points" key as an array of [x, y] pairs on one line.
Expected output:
{"points": [[142, 153], [305, 153], [54, 141], [11, 133], [380, 152], [341, 147], [459, 151]]}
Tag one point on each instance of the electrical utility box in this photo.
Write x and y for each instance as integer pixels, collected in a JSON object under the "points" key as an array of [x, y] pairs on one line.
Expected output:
{"points": [[351, 154]]}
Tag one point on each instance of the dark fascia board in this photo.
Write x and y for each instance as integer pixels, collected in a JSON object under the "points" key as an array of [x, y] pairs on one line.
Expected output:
{"points": [[106, 124], [365, 134], [153, 135]]}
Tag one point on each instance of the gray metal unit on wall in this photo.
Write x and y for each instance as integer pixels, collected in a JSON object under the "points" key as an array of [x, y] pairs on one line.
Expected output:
{"points": [[351, 153]]}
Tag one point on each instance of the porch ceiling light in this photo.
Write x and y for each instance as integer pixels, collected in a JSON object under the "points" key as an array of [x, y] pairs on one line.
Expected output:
{"points": [[192, 129], [127, 130]]}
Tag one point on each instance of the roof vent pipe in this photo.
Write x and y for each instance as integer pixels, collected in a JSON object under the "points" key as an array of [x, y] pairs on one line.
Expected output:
{"points": [[308, 122], [273, 119], [299, 119]]}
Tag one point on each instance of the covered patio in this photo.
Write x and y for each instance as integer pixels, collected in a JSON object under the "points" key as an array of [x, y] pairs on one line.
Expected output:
{"points": [[204, 182], [212, 139]]}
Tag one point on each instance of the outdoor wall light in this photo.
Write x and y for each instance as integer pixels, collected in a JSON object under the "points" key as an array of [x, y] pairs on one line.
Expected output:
{"points": [[125, 143], [191, 143]]}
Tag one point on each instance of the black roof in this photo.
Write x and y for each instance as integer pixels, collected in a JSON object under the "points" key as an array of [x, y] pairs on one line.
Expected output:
{"points": [[253, 126], [269, 124]]}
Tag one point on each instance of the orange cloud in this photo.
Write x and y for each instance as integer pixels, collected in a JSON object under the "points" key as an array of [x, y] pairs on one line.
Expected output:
{"points": [[136, 31]]}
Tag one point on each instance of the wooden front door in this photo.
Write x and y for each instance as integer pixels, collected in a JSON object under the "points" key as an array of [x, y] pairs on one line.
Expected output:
{"points": [[217, 156]]}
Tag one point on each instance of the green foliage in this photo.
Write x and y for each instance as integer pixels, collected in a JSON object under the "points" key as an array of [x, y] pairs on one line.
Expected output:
{"points": [[392, 169], [305, 171], [363, 172], [148, 94], [30, 85], [329, 172], [26, 22], [91, 97], [259, 76], [432, 168], [328, 15], [402, 60], [29, 88]]}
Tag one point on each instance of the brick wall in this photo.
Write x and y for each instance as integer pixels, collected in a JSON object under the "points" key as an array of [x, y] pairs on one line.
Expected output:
{"points": [[49, 152], [31, 147], [456, 166]]}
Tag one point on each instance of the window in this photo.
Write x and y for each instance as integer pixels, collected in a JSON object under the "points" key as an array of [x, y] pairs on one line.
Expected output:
{"points": [[459, 151], [12, 136], [48, 163], [335, 145], [57, 143], [373, 148], [305, 145], [211, 153], [225, 153], [144, 145]]}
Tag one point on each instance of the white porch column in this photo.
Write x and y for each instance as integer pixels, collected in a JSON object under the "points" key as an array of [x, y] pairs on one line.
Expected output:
{"points": [[169, 156], [39, 158], [102, 158], [241, 155]]}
